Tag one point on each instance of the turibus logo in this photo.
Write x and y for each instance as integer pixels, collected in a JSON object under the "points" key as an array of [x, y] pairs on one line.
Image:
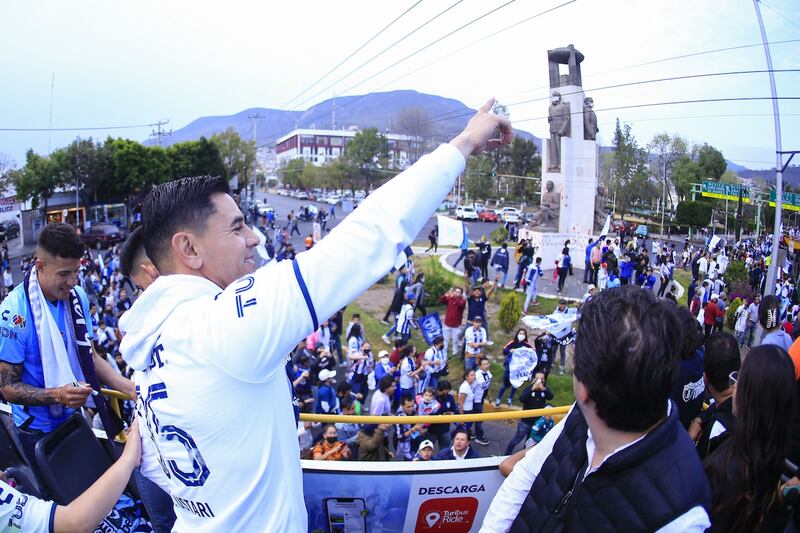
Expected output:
{"points": [[447, 515]]}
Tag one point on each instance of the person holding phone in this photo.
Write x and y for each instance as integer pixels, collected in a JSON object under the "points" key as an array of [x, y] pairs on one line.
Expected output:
{"points": [[330, 448]]}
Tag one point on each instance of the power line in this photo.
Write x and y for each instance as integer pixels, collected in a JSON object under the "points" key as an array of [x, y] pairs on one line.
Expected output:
{"points": [[673, 102], [91, 128], [787, 19], [358, 98], [368, 61], [474, 43], [357, 50], [672, 58], [619, 85]]}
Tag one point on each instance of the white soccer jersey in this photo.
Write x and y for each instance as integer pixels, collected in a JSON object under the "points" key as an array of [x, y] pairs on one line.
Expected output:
{"points": [[20, 512], [218, 426]]}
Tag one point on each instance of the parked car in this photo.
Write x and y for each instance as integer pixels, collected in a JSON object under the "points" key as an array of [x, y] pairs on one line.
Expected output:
{"points": [[9, 229], [510, 214], [104, 234], [450, 204], [622, 227], [466, 212], [264, 208], [641, 230], [488, 215], [333, 200], [478, 207]]}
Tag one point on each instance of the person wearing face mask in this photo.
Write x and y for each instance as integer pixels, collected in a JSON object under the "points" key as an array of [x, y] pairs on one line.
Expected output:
{"points": [[329, 448], [519, 341], [535, 396]]}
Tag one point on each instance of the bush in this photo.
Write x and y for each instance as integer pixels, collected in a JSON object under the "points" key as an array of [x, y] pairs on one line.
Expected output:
{"points": [[499, 236], [736, 274], [730, 313], [510, 312], [436, 282]]}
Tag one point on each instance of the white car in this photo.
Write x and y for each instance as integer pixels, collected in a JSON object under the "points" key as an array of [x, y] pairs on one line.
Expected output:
{"points": [[466, 212], [332, 200], [509, 214]]}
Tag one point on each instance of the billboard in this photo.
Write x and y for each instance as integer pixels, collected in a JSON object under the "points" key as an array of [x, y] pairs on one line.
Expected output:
{"points": [[725, 191]]}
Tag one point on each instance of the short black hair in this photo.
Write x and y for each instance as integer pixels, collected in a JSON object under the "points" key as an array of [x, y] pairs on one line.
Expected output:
{"points": [[174, 206], [406, 398], [627, 356], [721, 357], [438, 339], [444, 385], [132, 252], [386, 382], [343, 387], [60, 240]]}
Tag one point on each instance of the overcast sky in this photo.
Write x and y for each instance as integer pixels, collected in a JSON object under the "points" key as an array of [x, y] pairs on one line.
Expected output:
{"points": [[130, 63]]}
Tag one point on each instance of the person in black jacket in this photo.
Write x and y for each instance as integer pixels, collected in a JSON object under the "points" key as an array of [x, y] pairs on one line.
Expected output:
{"points": [[460, 448], [688, 388], [713, 426], [534, 396], [440, 433]]}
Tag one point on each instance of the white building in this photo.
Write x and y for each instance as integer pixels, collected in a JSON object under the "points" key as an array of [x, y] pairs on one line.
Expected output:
{"points": [[320, 146]]}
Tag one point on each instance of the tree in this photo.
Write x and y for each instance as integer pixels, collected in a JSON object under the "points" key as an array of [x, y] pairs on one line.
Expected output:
{"points": [[694, 214], [365, 152], [196, 158], [730, 177], [6, 167], [666, 151], [238, 155], [38, 180], [128, 167], [414, 122], [292, 173], [628, 168], [523, 161], [711, 162], [684, 174], [479, 182]]}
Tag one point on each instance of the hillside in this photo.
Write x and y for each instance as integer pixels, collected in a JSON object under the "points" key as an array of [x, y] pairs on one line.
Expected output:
{"points": [[374, 110]]}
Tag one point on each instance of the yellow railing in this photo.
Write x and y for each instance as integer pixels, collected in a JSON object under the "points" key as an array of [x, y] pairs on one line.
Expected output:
{"points": [[111, 393], [436, 419]]}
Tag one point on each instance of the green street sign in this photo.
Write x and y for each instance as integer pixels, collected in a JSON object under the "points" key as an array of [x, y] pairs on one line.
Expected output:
{"points": [[791, 200], [725, 191]]}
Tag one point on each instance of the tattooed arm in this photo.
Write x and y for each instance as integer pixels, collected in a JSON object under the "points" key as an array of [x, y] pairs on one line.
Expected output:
{"points": [[15, 391]]}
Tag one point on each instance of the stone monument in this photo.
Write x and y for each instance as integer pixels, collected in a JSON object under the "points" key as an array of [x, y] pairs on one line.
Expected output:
{"points": [[569, 165]]}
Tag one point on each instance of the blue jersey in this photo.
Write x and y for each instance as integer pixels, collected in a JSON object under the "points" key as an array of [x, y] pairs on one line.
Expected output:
{"points": [[19, 344]]}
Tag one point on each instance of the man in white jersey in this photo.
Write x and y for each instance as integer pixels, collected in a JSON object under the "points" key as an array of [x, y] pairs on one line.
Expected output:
{"points": [[208, 339]]}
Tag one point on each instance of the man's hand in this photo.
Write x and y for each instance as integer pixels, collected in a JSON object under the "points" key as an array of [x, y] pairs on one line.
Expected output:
{"points": [[477, 136], [72, 396]]}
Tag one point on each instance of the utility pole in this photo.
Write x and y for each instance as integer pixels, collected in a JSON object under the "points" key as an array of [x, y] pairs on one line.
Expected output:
{"points": [[776, 236], [254, 120], [663, 198], [50, 123], [158, 133]]}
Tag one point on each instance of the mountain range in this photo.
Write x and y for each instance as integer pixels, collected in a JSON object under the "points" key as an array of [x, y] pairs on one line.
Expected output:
{"points": [[380, 110], [375, 110]]}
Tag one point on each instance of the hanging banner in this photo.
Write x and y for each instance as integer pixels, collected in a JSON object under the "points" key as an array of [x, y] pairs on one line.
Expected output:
{"points": [[520, 368], [430, 326], [396, 497], [8, 204]]}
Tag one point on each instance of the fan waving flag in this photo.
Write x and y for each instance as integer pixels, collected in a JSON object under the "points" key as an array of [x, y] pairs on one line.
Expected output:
{"points": [[606, 228], [451, 232]]}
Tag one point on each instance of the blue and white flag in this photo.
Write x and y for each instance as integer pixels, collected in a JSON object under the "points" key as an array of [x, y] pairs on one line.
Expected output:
{"points": [[403, 258], [431, 327], [451, 232], [606, 228], [520, 367], [553, 323]]}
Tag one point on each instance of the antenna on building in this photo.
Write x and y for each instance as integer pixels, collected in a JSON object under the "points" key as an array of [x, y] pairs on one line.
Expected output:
{"points": [[50, 123], [333, 112]]}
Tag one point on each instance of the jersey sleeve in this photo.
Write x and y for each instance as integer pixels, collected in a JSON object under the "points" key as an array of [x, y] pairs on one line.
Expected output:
{"points": [[14, 330], [258, 319], [22, 512]]}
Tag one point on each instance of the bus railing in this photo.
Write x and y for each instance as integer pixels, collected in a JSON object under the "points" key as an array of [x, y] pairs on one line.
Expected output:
{"points": [[556, 412]]}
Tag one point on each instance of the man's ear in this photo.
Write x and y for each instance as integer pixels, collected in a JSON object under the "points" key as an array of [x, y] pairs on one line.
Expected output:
{"points": [[150, 269], [186, 253]]}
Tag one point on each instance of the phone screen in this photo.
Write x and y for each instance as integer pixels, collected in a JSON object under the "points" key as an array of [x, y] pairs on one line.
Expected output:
{"points": [[346, 515]]}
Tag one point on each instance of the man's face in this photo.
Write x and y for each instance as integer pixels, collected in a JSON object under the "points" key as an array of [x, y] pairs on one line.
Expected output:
{"points": [[227, 247], [476, 324], [390, 390], [123, 294], [538, 381], [460, 442], [459, 292], [408, 408], [444, 392], [57, 275], [561, 306]]}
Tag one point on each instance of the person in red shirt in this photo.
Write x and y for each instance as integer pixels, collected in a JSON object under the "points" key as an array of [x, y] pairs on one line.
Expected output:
{"points": [[711, 314], [788, 326], [453, 317]]}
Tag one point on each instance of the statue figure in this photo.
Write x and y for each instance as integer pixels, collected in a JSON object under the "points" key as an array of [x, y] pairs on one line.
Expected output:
{"points": [[600, 211], [558, 115], [551, 205], [590, 128]]}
